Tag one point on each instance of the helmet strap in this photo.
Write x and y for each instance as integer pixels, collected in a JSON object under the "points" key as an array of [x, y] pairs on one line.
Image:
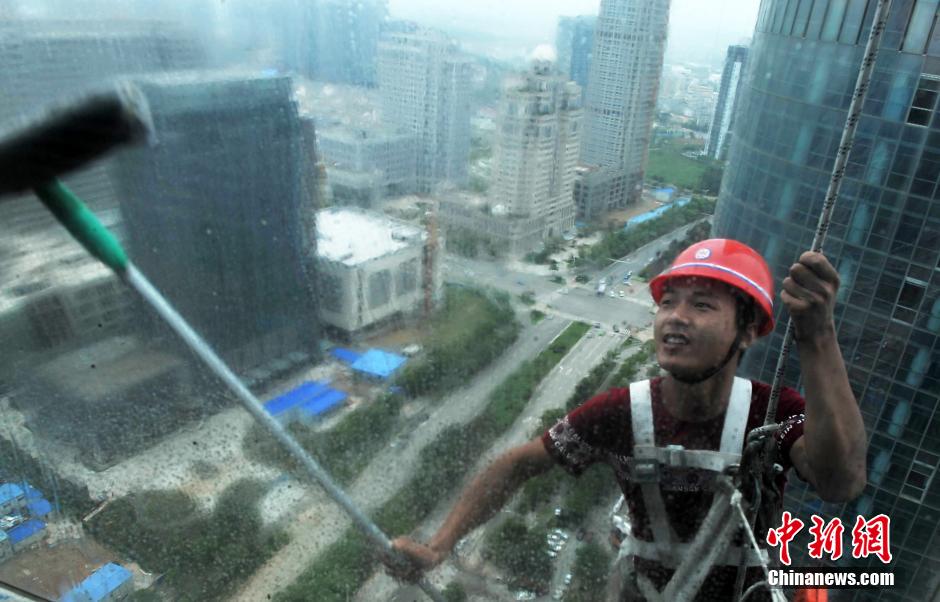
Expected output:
{"points": [[694, 380]]}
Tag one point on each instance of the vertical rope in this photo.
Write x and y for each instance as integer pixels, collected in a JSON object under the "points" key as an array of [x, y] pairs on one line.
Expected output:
{"points": [[835, 181]]}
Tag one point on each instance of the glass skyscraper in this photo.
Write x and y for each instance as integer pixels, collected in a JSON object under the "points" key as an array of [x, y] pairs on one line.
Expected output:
{"points": [[884, 241]]}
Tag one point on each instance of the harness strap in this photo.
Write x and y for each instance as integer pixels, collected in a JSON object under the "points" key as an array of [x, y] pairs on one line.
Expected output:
{"points": [[641, 410], [679, 457], [649, 550], [732, 433]]}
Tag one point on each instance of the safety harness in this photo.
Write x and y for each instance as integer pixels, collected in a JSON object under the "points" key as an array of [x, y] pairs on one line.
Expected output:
{"points": [[649, 466]]}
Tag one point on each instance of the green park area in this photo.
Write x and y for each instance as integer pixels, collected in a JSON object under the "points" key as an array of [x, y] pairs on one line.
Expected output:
{"points": [[668, 166]]}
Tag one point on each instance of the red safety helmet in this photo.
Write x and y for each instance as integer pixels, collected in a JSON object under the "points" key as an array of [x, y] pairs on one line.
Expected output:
{"points": [[728, 261]]}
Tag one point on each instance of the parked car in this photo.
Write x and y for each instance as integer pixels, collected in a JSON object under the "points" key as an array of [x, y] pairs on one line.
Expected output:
{"points": [[568, 579]]}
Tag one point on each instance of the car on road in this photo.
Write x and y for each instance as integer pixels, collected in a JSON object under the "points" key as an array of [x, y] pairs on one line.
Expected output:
{"points": [[597, 324], [568, 579], [621, 294], [616, 328], [552, 553], [612, 295]]}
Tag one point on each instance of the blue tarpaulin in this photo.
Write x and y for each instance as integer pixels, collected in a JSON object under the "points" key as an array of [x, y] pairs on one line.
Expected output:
{"points": [[99, 585], [39, 507], [376, 362], [24, 530], [295, 397], [323, 403], [311, 399], [10, 492], [32, 494], [645, 217], [346, 355]]}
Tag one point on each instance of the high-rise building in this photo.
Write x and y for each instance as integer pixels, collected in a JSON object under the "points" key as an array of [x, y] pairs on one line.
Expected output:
{"points": [[215, 213], [364, 166], [620, 102], [537, 152], [574, 42], [424, 89], [884, 241], [56, 296], [347, 36], [719, 133]]}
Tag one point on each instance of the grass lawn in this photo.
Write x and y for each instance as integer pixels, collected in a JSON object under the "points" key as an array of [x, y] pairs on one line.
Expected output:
{"points": [[669, 166]]}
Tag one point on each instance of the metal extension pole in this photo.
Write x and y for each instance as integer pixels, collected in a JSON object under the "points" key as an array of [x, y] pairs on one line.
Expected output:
{"points": [[84, 225], [835, 181]]}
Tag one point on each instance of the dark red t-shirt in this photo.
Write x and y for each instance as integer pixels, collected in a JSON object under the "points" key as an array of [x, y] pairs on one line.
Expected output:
{"points": [[600, 430]]}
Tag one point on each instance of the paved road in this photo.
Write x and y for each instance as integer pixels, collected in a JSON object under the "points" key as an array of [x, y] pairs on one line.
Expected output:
{"points": [[572, 301], [552, 392], [319, 521]]}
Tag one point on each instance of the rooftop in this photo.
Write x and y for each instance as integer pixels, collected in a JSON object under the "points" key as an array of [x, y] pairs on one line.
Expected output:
{"points": [[99, 584], [10, 491], [353, 236], [107, 367], [24, 530]]}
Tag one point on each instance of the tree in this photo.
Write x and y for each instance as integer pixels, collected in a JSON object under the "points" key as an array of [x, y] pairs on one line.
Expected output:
{"points": [[589, 574], [710, 179], [454, 592]]}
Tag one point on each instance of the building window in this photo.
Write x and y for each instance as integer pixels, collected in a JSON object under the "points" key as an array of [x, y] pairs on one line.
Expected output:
{"points": [[407, 277], [919, 479], [380, 288], [918, 29], [924, 102]]}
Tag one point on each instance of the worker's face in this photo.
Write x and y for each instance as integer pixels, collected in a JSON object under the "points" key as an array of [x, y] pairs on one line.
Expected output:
{"points": [[695, 326]]}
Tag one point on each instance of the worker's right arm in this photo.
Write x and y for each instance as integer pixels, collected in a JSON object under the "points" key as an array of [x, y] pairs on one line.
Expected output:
{"points": [[478, 502]]}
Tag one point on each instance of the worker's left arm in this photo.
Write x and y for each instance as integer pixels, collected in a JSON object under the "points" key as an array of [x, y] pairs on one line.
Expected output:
{"points": [[831, 453]]}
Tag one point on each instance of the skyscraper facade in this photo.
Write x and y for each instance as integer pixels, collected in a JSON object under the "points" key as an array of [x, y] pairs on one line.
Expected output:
{"points": [[424, 89], [620, 103], [574, 42], [214, 213], [884, 241], [537, 152], [719, 133]]}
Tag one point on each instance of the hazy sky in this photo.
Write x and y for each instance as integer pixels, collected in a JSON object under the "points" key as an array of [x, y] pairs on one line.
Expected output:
{"points": [[697, 28]]}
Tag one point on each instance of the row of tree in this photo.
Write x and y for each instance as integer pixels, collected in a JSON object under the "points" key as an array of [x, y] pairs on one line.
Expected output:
{"points": [[621, 242], [441, 468], [201, 555]]}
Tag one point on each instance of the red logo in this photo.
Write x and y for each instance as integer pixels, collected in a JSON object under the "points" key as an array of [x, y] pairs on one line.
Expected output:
{"points": [[872, 537], [784, 535], [828, 539], [869, 537]]}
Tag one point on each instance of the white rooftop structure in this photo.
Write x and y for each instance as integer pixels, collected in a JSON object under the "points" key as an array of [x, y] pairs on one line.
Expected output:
{"points": [[351, 236]]}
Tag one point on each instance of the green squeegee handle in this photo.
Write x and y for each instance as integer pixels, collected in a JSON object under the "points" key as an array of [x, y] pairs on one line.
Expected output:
{"points": [[82, 224]]}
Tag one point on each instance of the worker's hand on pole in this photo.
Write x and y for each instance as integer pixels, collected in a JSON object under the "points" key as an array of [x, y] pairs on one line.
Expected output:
{"points": [[421, 558], [809, 293]]}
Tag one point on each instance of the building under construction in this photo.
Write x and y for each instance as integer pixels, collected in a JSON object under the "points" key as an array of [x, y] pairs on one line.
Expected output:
{"points": [[389, 269]]}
